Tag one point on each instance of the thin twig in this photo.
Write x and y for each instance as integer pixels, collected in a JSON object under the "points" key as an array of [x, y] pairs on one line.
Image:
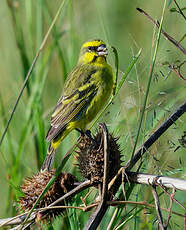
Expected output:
{"points": [[171, 120], [141, 203], [170, 207], [26, 227], [177, 70], [20, 218], [112, 182], [73, 192], [106, 161], [174, 186], [168, 37], [158, 209], [97, 216], [16, 219], [179, 10]]}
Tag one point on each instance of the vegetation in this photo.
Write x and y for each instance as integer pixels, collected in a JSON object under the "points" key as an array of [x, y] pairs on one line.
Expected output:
{"points": [[154, 89]]}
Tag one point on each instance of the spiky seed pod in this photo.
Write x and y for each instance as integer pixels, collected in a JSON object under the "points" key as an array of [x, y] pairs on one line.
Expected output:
{"points": [[33, 187], [91, 157]]}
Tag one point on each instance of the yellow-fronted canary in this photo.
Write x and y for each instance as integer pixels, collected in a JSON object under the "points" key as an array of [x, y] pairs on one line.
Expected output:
{"points": [[86, 91]]}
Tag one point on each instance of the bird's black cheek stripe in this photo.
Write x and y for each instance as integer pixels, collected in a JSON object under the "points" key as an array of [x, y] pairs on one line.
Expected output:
{"points": [[92, 48]]}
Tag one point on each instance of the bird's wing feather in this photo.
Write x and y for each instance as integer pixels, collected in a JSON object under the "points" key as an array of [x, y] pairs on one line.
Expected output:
{"points": [[71, 104]]}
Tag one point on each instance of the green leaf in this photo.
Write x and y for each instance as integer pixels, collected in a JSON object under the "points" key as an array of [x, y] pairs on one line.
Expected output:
{"points": [[173, 10]]}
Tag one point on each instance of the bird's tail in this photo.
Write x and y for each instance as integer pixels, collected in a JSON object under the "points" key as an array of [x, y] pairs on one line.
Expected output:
{"points": [[49, 158]]}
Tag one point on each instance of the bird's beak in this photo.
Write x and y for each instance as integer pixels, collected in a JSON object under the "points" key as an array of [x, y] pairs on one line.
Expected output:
{"points": [[102, 50]]}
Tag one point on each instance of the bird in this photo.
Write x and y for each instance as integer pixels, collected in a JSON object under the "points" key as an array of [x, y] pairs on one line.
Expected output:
{"points": [[86, 90]]}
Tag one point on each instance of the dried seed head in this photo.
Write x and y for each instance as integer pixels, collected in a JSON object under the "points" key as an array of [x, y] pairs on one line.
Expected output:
{"points": [[91, 157], [33, 187]]}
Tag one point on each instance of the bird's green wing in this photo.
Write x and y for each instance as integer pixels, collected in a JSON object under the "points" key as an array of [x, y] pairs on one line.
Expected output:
{"points": [[78, 92]]}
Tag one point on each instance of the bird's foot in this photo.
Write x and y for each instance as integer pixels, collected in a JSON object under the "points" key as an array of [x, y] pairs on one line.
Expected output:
{"points": [[88, 134]]}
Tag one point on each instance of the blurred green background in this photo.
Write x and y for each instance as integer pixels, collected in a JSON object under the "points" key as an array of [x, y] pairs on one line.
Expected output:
{"points": [[23, 25]]}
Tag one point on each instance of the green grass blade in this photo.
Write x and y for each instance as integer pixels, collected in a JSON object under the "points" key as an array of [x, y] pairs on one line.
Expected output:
{"points": [[57, 36], [31, 69], [120, 84], [129, 191], [115, 70], [149, 81], [124, 77]]}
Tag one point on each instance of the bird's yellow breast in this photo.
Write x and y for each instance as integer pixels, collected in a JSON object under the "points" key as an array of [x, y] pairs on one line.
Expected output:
{"points": [[104, 81]]}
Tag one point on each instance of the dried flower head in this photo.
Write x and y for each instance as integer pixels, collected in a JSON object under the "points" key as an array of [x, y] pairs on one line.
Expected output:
{"points": [[33, 187], [91, 157]]}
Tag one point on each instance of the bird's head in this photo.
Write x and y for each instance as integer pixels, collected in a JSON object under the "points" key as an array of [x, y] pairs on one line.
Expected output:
{"points": [[94, 51]]}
